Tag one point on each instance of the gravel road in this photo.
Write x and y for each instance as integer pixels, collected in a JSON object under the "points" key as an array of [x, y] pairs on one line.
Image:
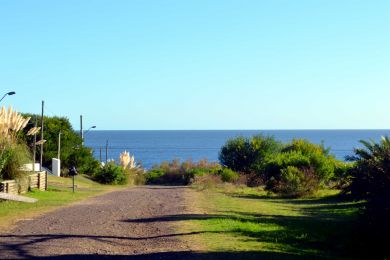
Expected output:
{"points": [[129, 223]]}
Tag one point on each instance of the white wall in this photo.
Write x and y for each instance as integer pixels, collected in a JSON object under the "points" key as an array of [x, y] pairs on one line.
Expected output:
{"points": [[56, 167]]}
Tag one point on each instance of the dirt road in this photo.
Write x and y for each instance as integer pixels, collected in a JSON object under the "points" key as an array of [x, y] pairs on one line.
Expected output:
{"points": [[129, 223]]}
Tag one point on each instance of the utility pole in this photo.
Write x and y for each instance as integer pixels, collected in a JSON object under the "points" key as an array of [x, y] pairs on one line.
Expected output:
{"points": [[106, 151], [59, 146], [100, 154], [81, 130], [41, 160], [35, 145]]}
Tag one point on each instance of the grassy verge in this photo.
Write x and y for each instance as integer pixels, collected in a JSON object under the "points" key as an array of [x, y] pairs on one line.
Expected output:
{"points": [[59, 194], [248, 223]]}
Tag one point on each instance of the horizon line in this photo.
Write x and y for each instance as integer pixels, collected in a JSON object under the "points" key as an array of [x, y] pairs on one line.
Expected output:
{"points": [[292, 129]]}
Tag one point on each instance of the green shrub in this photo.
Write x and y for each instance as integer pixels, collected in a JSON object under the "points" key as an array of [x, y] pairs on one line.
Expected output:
{"points": [[248, 154], [13, 156], [178, 173], [82, 158], [295, 182], [154, 176], [110, 174], [228, 175], [299, 169], [319, 158]]}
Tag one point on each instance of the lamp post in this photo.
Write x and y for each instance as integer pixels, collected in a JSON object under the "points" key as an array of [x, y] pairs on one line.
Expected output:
{"points": [[84, 133], [8, 94]]}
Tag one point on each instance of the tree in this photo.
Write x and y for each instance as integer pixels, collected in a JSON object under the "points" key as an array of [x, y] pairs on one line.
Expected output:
{"points": [[72, 151], [248, 154]]}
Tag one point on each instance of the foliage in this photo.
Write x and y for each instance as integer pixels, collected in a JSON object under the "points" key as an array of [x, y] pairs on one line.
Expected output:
{"points": [[135, 176], [300, 169], [292, 169], [228, 175], [370, 180], [13, 157], [175, 172], [246, 154], [13, 154], [295, 182], [82, 158], [72, 151], [110, 174]]}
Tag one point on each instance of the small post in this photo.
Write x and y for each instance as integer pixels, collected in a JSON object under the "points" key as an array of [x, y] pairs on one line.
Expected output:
{"points": [[100, 154], [73, 183], [106, 151], [35, 145], [59, 146], [41, 160], [81, 130]]}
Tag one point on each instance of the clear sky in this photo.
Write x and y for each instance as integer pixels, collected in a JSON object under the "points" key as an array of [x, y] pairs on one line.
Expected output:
{"points": [[201, 64]]}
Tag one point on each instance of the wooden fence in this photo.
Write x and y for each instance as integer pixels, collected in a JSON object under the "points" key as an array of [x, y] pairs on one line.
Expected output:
{"points": [[36, 180]]}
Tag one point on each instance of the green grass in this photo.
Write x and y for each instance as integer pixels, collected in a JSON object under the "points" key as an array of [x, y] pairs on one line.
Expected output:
{"points": [[249, 220], [59, 194]]}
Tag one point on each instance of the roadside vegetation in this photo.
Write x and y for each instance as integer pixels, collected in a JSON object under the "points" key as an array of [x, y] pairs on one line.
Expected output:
{"points": [[296, 177], [13, 152], [249, 223]]}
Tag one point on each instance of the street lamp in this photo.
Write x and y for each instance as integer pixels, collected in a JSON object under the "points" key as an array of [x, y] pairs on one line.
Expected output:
{"points": [[84, 133], [8, 94]]}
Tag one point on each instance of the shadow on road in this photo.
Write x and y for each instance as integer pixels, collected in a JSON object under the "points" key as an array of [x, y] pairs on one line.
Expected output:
{"points": [[188, 255]]}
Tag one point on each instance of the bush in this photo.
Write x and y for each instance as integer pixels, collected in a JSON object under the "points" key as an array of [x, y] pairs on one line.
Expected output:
{"points": [[228, 175], [154, 176], [295, 182], [135, 176], [179, 173], [370, 181], [12, 157], [110, 174], [300, 169], [248, 154]]}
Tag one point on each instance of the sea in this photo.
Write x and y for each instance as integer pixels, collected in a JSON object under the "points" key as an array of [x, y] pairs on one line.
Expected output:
{"points": [[151, 147]]}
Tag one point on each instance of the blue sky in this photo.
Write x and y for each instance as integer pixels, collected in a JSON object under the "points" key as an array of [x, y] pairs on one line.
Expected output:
{"points": [[279, 64]]}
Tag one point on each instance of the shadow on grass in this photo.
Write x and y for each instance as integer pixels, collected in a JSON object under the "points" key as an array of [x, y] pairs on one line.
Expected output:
{"points": [[302, 234], [18, 246]]}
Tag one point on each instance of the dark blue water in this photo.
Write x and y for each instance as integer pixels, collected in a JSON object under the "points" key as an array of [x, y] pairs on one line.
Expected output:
{"points": [[151, 147]]}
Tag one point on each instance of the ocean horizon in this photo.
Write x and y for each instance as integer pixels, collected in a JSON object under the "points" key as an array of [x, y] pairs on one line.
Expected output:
{"points": [[155, 146]]}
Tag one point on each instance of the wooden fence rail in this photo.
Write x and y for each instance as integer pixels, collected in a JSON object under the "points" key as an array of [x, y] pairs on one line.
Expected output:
{"points": [[36, 180]]}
